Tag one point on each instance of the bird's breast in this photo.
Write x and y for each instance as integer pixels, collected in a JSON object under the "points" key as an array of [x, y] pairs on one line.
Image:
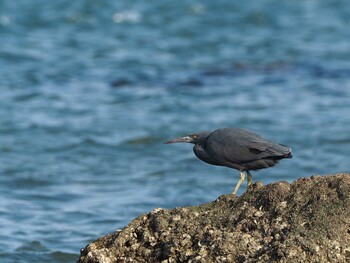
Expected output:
{"points": [[200, 151]]}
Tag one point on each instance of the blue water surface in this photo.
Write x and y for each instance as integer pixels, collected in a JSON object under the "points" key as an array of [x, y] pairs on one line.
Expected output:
{"points": [[91, 89]]}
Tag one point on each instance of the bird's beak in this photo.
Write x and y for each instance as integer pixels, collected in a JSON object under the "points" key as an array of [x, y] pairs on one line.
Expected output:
{"points": [[182, 139]]}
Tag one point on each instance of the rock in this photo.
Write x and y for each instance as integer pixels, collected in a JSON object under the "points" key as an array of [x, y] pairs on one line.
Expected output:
{"points": [[306, 221]]}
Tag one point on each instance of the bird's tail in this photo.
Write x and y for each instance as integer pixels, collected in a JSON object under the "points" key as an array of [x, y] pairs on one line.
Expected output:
{"points": [[289, 155], [280, 151]]}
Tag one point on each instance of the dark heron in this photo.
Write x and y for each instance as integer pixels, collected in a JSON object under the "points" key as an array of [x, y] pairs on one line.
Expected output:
{"points": [[238, 149]]}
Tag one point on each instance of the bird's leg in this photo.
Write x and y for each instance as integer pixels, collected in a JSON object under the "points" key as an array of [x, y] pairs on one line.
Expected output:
{"points": [[249, 179], [242, 173]]}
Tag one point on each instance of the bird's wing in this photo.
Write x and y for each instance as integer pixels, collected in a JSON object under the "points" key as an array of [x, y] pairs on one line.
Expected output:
{"points": [[238, 146]]}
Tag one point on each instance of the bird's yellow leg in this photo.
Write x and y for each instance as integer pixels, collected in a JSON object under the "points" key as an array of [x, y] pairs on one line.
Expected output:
{"points": [[249, 179], [239, 182]]}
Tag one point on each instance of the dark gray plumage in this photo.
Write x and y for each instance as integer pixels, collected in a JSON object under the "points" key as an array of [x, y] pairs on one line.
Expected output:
{"points": [[236, 148]]}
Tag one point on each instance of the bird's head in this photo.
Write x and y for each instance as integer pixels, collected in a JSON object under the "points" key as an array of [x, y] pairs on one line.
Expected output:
{"points": [[193, 138]]}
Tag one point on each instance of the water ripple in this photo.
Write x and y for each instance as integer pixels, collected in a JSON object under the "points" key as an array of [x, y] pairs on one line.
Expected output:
{"points": [[90, 93]]}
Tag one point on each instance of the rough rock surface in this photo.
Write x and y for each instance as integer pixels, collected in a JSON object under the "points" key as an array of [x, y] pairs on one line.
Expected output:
{"points": [[306, 221]]}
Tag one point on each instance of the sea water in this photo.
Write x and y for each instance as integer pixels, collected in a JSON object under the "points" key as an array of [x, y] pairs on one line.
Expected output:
{"points": [[91, 89]]}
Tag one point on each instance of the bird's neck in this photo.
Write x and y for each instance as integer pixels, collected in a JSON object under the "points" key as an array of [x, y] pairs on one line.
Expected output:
{"points": [[200, 151]]}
